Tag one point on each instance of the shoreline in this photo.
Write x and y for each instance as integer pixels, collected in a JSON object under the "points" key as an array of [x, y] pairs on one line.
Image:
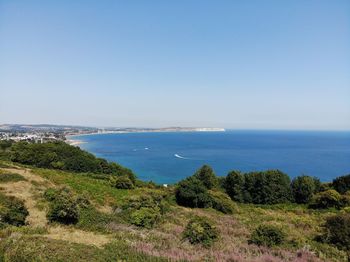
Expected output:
{"points": [[77, 142]]}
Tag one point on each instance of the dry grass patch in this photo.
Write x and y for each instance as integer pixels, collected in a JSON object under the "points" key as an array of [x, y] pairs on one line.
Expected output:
{"points": [[77, 236]]}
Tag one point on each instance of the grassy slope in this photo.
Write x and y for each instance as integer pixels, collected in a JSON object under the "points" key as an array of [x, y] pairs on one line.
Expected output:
{"points": [[133, 244]]}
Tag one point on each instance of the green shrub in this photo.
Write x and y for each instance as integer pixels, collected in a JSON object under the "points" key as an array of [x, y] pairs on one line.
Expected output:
{"points": [[145, 210], [50, 194], [345, 200], [326, 199], [151, 200], [207, 176], [83, 201], [234, 186], [325, 187], [221, 202], [63, 208], [145, 217], [337, 231], [121, 182], [200, 230], [303, 188], [12, 211], [346, 210], [192, 193], [342, 184], [267, 235]]}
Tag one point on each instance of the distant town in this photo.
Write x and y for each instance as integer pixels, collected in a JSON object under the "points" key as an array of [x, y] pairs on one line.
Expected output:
{"points": [[44, 133]]}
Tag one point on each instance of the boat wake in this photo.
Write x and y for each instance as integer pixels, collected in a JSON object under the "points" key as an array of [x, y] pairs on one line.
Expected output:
{"points": [[181, 157]]}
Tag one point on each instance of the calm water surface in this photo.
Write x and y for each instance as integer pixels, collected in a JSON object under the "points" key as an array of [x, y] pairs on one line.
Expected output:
{"points": [[169, 157]]}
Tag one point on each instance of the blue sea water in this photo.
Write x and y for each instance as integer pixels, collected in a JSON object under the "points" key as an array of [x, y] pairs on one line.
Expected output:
{"points": [[170, 157]]}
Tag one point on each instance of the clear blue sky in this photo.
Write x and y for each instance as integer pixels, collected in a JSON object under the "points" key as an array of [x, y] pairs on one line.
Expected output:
{"points": [[234, 64]]}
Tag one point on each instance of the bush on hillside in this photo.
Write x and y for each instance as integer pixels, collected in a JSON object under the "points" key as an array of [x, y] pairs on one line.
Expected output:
{"points": [[337, 231], [325, 187], [326, 199], [145, 210], [145, 217], [345, 200], [267, 187], [12, 211], [121, 182], [207, 176], [83, 201], [63, 207], [303, 188], [192, 193], [221, 202], [152, 199], [200, 230], [342, 184], [234, 186], [267, 235]]}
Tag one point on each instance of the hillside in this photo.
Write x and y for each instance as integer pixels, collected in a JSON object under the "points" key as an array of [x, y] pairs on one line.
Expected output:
{"points": [[74, 216]]}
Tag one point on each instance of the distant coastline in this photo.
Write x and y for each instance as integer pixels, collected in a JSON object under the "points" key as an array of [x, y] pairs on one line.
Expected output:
{"points": [[77, 142]]}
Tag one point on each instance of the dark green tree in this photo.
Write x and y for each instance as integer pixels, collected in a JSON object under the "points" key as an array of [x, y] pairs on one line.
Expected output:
{"points": [[234, 186], [342, 184], [192, 193], [207, 176], [267, 187], [303, 188]]}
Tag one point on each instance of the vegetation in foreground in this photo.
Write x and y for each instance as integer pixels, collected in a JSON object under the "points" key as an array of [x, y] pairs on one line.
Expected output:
{"points": [[96, 214]]}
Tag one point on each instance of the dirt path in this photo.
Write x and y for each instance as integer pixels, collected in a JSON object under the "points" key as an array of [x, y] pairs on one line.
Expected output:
{"points": [[24, 190]]}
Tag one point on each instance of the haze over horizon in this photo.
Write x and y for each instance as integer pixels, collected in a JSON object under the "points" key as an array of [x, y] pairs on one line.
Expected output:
{"points": [[230, 64]]}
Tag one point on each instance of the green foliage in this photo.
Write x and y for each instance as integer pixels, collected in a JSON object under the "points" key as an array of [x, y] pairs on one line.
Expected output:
{"points": [[121, 182], [267, 235], [325, 187], [200, 230], [326, 199], [337, 231], [83, 201], [342, 184], [303, 188], [5, 144], [268, 187], [345, 200], [63, 207], [207, 176], [10, 177], [59, 155], [145, 217], [12, 211], [191, 192], [234, 186], [221, 202], [145, 210]]}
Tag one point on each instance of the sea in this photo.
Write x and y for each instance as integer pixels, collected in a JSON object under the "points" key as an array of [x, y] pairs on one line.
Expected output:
{"points": [[168, 157]]}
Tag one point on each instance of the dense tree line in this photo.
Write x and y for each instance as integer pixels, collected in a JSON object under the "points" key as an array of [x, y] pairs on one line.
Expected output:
{"points": [[59, 155], [265, 187]]}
